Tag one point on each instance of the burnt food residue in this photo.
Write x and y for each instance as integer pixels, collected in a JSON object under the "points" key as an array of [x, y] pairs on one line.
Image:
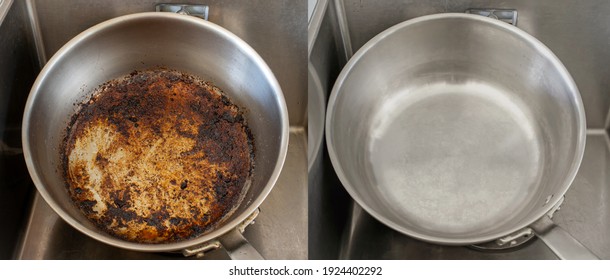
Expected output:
{"points": [[157, 156]]}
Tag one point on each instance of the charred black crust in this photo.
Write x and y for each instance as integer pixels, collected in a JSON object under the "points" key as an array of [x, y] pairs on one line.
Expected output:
{"points": [[87, 206]]}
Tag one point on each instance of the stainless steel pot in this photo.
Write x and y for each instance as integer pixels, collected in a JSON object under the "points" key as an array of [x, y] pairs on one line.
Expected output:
{"points": [[458, 129], [121, 45]]}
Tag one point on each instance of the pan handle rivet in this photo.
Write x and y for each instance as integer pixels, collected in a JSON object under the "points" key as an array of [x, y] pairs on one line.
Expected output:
{"points": [[548, 199]]}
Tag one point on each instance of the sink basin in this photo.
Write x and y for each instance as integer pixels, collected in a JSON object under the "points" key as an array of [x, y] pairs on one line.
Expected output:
{"points": [[32, 31], [340, 228]]}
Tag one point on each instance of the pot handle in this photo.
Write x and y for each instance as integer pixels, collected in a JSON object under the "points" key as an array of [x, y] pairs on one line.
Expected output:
{"points": [[238, 247], [233, 241], [564, 245], [200, 11]]}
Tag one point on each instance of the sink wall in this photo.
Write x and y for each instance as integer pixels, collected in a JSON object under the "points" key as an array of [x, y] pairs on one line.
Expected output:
{"points": [[18, 69]]}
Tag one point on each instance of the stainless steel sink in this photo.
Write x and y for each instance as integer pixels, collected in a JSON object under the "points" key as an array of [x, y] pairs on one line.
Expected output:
{"points": [[33, 30], [339, 228]]}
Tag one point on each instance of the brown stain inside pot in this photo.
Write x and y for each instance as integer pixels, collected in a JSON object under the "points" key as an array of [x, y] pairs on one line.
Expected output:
{"points": [[157, 156]]}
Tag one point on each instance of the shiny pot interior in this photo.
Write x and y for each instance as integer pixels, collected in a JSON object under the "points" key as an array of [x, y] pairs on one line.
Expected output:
{"points": [[140, 41], [455, 129]]}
